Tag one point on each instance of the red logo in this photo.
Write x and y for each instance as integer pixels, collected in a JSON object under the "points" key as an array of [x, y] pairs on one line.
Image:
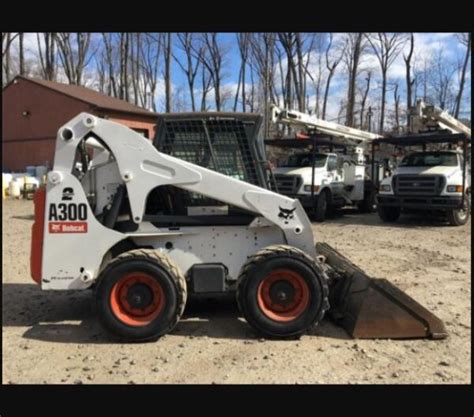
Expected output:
{"points": [[67, 227]]}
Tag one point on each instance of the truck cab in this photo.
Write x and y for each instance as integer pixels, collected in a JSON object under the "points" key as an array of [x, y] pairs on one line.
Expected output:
{"points": [[339, 179], [427, 181], [294, 176]]}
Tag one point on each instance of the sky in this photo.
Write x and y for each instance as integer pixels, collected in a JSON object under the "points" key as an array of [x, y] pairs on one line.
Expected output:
{"points": [[426, 44]]}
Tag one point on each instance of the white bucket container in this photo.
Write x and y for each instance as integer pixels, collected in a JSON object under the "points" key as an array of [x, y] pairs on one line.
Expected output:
{"points": [[15, 189], [20, 178], [32, 180], [6, 180]]}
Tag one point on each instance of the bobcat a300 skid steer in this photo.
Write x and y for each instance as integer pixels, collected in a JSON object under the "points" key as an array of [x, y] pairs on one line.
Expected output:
{"points": [[110, 218]]}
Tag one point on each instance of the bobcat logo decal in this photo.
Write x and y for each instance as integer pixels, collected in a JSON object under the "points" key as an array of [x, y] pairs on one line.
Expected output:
{"points": [[286, 214], [68, 194]]}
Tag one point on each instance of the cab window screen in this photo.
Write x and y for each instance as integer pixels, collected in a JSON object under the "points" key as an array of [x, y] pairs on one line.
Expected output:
{"points": [[221, 145]]}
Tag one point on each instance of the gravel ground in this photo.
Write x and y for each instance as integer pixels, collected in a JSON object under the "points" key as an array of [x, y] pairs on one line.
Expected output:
{"points": [[53, 337]]}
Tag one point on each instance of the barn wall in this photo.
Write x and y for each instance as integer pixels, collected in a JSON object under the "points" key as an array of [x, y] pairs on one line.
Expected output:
{"points": [[29, 140], [147, 125]]}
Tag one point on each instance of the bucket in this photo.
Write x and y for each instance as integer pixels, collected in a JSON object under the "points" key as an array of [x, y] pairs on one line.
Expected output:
{"points": [[6, 180], [15, 189], [20, 178], [31, 180]]}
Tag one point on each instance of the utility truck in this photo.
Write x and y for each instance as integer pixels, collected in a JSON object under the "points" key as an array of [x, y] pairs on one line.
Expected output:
{"points": [[436, 180], [329, 171]]}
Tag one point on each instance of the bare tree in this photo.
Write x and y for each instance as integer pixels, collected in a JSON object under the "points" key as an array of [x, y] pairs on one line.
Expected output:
{"points": [[409, 80], [47, 55], [135, 69], [331, 65], [212, 58], [149, 62], [206, 81], [465, 39], [262, 65], [291, 43], [386, 47], [355, 47], [314, 47], [440, 81], [124, 92], [74, 58], [108, 66], [243, 42], [287, 40], [191, 65], [279, 55], [7, 39]]}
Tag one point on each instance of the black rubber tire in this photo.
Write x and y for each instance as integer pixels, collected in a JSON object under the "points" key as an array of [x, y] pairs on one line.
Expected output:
{"points": [[321, 206], [456, 218], [388, 214], [161, 268], [367, 205], [256, 269]]}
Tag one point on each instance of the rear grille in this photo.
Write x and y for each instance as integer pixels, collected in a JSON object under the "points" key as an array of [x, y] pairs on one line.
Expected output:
{"points": [[423, 185], [288, 184]]}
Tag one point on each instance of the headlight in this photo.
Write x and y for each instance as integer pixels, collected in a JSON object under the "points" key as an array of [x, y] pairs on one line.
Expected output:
{"points": [[385, 187], [307, 188], [454, 188]]}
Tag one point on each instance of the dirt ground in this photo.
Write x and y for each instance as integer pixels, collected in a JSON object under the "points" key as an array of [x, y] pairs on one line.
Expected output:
{"points": [[53, 337]]}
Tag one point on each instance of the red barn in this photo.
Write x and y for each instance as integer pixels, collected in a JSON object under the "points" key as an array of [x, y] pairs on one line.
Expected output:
{"points": [[33, 111]]}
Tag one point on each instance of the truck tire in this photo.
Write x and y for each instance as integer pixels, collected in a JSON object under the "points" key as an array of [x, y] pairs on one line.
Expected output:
{"points": [[367, 205], [282, 292], [459, 217], [388, 214], [321, 206], [140, 295]]}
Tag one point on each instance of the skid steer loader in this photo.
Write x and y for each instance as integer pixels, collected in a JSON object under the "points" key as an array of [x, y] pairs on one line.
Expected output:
{"points": [[109, 218]]}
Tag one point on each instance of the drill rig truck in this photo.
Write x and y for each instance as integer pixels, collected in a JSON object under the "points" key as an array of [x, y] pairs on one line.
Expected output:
{"points": [[331, 171]]}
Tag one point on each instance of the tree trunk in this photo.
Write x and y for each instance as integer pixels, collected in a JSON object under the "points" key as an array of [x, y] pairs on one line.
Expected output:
{"points": [[168, 72], [22, 55], [244, 98], [382, 104], [364, 100], [409, 80], [353, 79], [7, 59], [396, 98], [237, 92], [463, 77]]}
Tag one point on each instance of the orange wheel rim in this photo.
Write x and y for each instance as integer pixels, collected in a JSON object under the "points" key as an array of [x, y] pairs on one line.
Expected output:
{"points": [[283, 295], [137, 299]]}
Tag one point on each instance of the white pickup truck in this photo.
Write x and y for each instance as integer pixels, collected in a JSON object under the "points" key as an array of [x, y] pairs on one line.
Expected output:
{"points": [[339, 180], [427, 181]]}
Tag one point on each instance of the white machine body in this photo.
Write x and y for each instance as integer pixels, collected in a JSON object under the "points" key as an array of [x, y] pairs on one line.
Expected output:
{"points": [[76, 244]]}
